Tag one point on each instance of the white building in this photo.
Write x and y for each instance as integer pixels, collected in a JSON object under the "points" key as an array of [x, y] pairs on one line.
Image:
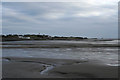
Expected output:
{"points": [[24, 37]]}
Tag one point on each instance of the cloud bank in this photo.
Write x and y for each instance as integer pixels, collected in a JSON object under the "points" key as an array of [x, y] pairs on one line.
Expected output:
{"points": [[91, 18]]}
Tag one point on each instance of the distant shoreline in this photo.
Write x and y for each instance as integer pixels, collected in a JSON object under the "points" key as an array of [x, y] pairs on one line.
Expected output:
{"points": [[33, 37], [4, 40], [15, 37]]}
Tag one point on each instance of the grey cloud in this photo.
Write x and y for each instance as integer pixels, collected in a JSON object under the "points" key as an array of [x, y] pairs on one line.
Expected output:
{"points": [[65, 19]]}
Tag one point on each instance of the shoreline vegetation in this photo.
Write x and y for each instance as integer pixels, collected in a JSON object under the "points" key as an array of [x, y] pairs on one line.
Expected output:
{"points": [[16, 37]]}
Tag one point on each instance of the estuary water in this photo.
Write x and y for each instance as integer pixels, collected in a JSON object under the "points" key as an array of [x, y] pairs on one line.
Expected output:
{"points": [[89, 50]]}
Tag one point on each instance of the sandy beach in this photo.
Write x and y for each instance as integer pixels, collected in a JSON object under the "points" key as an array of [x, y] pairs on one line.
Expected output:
{"points": [[60, 59], [55, 68]]}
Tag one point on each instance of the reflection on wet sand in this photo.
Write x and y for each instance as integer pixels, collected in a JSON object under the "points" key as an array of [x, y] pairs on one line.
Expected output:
{"points": [[52, 59]]}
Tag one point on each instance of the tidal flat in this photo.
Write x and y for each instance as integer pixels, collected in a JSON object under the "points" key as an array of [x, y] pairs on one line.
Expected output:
{"points": [[60, 59]]}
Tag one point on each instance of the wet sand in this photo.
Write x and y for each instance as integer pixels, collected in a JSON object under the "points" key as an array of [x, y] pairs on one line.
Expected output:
{"points": [[56, 68]]}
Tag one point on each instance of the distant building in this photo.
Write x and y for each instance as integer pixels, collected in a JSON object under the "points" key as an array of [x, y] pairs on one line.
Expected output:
{"points": [[24, 37]]}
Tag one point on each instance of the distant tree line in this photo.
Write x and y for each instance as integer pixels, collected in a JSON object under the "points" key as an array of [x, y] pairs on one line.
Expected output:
{"points": [[16, 37]]}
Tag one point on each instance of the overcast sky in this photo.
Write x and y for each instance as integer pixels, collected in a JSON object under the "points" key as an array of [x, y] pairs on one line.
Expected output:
{"points": [[87, 18]]}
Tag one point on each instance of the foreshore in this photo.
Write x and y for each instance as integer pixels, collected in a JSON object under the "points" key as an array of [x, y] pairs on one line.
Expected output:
{"points": [[14, 67], [60, 59]]}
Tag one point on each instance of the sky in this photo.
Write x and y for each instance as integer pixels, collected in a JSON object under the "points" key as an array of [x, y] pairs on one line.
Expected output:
{"points": [[87, 18]]}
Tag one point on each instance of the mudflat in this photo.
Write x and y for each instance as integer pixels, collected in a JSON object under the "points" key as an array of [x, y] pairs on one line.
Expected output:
{"points": [[14, 67]]}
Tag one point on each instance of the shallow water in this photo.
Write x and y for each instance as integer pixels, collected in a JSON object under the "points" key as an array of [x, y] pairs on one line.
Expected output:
{"points": [[106, 55]]}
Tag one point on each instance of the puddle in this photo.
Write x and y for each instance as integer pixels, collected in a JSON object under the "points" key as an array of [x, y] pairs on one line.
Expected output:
{"points": [[47, 68]]}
